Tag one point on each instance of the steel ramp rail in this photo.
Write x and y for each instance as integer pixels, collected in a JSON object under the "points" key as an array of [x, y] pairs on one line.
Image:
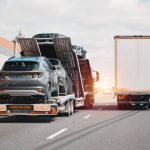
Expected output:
{"points": [[64, 52], [29, 47]]}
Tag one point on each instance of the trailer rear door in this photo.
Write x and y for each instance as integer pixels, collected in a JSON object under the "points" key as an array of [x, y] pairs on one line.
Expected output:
{"points": [[132, 61]]}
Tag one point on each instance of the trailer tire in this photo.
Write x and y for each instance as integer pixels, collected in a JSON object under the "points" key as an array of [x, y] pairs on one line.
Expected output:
{"points": [[68, 113], [121, 106], [88, 102], [72, 107], [146, 106]]}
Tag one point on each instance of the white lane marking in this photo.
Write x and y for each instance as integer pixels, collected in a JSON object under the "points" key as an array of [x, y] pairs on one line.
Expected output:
{"points": [[56, 134], [41, 142], [89, 115]]}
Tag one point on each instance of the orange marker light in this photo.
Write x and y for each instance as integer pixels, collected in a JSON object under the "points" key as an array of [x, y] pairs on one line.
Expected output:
{"points": [[54, 110]]}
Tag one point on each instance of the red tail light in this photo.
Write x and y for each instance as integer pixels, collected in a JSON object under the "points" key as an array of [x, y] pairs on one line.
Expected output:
{"points": [[40, 75], [54, 110], [34, 75], [2, 76], [40, 90], [1, 90]]}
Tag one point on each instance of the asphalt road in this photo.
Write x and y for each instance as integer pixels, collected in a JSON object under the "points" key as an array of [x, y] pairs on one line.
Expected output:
{"points": [[101, 128]]}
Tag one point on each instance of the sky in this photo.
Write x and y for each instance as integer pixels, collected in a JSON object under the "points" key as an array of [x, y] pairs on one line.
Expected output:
{"points": [[90, 23]]}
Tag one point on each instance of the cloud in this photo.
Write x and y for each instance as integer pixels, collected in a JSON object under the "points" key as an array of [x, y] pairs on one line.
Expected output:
{"points": [[91, 24]]}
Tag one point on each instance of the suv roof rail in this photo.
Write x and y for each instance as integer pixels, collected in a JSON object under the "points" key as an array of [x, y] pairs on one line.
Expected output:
{"points": [[11, 57]]}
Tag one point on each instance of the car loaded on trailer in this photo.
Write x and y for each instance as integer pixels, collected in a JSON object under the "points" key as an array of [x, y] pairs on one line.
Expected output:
{"points": [[31, 79], [65, 85]]}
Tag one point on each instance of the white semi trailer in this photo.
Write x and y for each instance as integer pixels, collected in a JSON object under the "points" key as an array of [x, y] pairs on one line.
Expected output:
{"points": [[132, 73]]}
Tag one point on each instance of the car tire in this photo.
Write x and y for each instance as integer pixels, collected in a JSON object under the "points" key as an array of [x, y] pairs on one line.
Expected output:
{"points": [[146, 106], [48, 92], [89, 101], [68, 113], [63, 88], [69, 87], [121, 106], [72, 107], [56, 93]]}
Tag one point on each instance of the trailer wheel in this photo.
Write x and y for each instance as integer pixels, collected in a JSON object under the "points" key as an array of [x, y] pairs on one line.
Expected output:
{"points": [[89, 102], [121, 106], [68, 112], [146, 106], [72, 107]]}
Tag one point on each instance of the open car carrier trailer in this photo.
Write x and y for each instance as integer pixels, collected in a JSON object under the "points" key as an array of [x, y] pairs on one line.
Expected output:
{"points": [[77, 68], [61, 104]]}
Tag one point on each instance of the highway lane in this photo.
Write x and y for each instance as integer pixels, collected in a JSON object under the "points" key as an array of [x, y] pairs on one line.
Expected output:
{"points": [[101, 128]]}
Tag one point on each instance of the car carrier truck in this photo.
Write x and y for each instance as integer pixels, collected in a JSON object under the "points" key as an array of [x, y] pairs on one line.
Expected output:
{"points": [[132, 74], [78, 68]]}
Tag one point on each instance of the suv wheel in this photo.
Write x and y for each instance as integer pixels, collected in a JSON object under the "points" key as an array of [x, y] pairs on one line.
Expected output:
{"points": [[66, 88], [69, 87], [63, 88], [48, 92], [56, 93]]}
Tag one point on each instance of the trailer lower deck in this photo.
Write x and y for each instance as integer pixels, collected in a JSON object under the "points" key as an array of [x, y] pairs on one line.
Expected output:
{"points": [[56, 105]]}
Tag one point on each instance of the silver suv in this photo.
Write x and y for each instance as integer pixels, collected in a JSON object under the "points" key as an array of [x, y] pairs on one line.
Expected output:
{"points": [[65, 86], [28, 80]]}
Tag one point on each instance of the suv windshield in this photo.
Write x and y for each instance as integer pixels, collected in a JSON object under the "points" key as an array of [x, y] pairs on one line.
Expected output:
{"points": [[21, 66]]}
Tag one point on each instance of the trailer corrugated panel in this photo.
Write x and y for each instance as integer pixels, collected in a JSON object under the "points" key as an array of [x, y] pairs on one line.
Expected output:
{"points": [[132, 61]]}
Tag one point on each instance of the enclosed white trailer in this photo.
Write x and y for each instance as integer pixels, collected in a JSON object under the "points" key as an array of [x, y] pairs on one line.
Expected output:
{"points": [[132, 73]]}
